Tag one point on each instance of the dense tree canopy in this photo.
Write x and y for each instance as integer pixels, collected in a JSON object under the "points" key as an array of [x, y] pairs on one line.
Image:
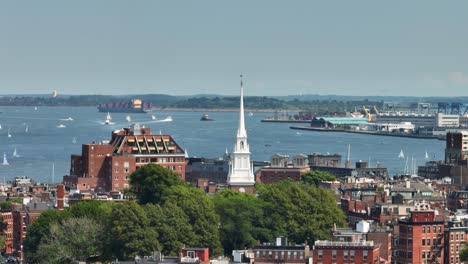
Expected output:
{"points": [[171, 213], [74, 239], [299, 211], [315, 177], [242, 220], [152, 183]]}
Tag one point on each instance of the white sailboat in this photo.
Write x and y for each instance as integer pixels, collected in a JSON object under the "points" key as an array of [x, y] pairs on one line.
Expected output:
{"points": [[108, 119], [426, 156], [5, 161], [74, 140], [401, 155], [0, 126], [153, 117], [128, 118], [26, 129], [9, 134], [15, 153]]}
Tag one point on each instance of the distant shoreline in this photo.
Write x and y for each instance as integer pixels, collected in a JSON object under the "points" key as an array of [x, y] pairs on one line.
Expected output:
{"points": [[174, 109]]}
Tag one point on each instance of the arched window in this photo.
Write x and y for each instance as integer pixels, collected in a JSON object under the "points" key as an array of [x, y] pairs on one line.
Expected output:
{"points": [[242, 144]]}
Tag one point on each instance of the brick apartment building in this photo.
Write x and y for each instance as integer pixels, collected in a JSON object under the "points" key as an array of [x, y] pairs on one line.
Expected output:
{"points": [[106, 166], [281, 252], [420, 237], [346, 252], [455, 239], [281, 169]]}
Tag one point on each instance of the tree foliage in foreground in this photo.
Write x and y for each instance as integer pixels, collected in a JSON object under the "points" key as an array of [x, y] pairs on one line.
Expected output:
{"points": [[177, 213], [315, 177], [74, 239], [299, 211]]}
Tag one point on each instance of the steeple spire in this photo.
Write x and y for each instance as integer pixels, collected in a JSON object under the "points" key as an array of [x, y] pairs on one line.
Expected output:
{"points": [[240, 174], [241, 130]]}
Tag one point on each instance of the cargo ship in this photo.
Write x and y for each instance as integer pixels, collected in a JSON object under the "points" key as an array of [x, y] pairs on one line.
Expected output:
{"points": [[132, 106]]}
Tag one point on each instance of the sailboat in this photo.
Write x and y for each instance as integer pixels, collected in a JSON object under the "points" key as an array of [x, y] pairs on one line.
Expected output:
{"points": [[401, 155], [128, 118], [108, 119], [74, 140], [26, 129], [0, 126], [9, 134], [5, 161], [53, 172], [426, 156], [15, 153], [153, 117]]}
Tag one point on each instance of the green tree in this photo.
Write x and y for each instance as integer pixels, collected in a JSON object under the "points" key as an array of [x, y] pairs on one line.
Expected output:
{"points": [[172, 226], [38, 230], [241, 220], [299, 211], [74, 239], [202, 216], [130, 232], [315, 177], [464, 254], [152, 182]]}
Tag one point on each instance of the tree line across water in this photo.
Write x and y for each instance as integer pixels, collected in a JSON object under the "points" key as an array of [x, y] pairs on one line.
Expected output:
{"points": [[203, 102], [167, 213]]}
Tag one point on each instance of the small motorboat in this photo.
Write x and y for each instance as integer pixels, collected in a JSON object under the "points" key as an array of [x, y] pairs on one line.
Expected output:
{"points": [[206, 118]]}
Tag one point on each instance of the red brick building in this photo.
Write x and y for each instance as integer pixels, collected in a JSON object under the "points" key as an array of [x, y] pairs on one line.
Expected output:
{"points": [[281, 170], [281, 252], [7, 232], [106, 166], [346, 252], [420, 238], [195, 255], [455, 239]]}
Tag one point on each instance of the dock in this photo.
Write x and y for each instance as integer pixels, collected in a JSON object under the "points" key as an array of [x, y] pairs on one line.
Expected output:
{"points": [[374, 133]]}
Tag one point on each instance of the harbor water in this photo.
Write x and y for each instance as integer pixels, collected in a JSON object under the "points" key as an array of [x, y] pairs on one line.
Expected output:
{"points": [[45, 138]]}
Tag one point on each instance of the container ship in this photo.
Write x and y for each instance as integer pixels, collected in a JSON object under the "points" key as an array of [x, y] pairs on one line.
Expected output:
{"points": [[132, 106]]}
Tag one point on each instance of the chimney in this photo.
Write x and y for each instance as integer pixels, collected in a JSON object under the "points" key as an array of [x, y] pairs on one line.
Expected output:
{"points": [[60, 196]]}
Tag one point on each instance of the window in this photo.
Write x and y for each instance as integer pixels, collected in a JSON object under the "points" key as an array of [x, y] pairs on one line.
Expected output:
{"points": [[423, 241], [428, 241], [457, 248], [257, 253], [364, 255], [451, 237], [116, 185], [424, 229], [333, 254], [116, 177], [351, 254], [423, 255], [179, 168], [191, 254], [320, 254], [276, 254], [457, 236], [434, 230], [126, 170], [116, 163], [345, 254], [440, 229]]}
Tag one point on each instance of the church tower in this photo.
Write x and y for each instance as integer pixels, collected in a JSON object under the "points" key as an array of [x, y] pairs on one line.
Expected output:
{"points": [[241, 175]]}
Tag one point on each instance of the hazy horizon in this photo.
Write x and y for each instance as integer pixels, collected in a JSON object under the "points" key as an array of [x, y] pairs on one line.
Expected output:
{"points": [[403, 48]]}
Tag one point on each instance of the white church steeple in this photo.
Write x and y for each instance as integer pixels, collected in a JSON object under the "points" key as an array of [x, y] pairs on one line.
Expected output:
{"points": [[241, 175]]}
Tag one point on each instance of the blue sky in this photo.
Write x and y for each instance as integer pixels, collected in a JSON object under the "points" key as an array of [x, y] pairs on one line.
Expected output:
{"points": [[415, 48]]}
